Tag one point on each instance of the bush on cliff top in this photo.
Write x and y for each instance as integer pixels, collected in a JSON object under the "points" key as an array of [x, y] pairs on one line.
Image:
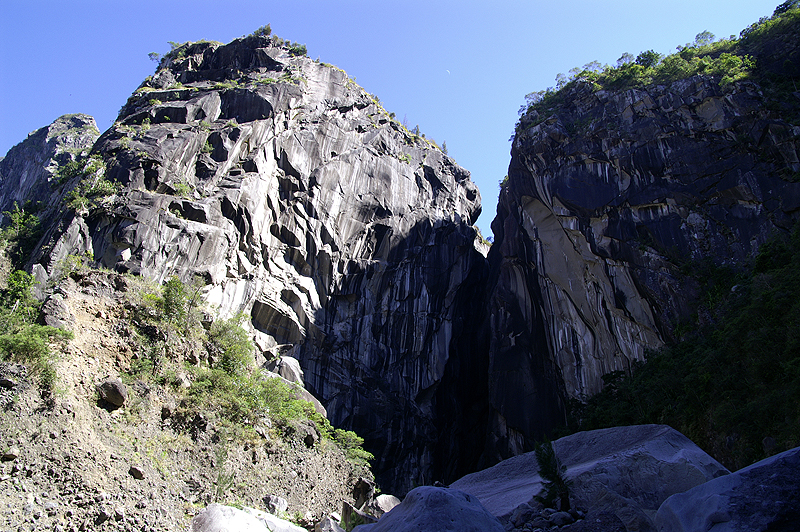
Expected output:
{"points": [[727, 60]]}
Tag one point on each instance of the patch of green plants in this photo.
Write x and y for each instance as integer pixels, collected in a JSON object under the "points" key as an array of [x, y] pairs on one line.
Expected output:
{"points": [[183, 189], [726, 60], [93, 187], [21, 233], [555, 486], [22, 339], [225, 384], [734, 377], [263, 31]]}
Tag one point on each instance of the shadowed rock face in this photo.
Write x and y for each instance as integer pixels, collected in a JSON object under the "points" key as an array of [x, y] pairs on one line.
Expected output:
{"points": [[609, 202], [347, 240]]}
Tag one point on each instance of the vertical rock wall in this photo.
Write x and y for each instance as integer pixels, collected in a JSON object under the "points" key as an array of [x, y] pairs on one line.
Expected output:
{"points": [[610, 204]]}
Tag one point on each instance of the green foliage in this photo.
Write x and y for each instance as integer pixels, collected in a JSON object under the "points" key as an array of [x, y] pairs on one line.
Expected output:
{"points": [[21, 234], [504, 182], [555, 487], [228, 387], [233, 344], [352, 444], [173, 301], [734, 378], [183, 189], [67, 171], [21, 338], [298, 49], [263, 31], [727, 60], [92, 189]]}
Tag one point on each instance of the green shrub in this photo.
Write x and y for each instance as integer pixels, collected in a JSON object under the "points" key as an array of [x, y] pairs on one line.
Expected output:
{"points": [[263, 31], [21, 338], [21, 234], [173, 301], [555, 487], [233, 344]]}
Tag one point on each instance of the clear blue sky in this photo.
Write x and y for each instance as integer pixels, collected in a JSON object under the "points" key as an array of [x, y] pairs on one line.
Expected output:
{"points": [[458, 69]]}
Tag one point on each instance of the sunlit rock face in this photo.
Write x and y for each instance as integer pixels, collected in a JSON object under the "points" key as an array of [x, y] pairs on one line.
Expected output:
{"points": [[611, 201], [346, 239]]}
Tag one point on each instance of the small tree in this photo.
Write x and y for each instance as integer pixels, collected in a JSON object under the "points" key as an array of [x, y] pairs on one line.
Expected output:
{"points": [[555, 485], [648, 59]]}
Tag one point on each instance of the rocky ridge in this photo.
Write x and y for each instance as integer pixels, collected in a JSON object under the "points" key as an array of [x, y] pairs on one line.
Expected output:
{"points": [[300, 201]]}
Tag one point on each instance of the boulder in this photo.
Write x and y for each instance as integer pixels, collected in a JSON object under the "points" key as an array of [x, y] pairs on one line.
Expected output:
{"points": [[437, 510], [275, 505], [113, 392], [764, 496], [626, 472], [328, 524], [289, 368], [219, 518], [383, 503]]}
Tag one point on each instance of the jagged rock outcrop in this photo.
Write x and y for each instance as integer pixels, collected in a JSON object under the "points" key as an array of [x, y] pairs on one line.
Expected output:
{"points": [[609, 202], [298, 200], [29, 170]]}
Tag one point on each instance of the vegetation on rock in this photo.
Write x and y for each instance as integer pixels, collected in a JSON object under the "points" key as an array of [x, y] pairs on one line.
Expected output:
{"points": [[726, 60]]}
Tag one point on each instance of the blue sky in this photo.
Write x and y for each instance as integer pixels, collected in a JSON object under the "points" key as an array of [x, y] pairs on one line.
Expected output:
{"points": [[458, 69]]}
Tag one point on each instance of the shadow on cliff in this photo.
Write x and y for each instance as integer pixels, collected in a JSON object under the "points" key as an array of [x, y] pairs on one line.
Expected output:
{"points": [[403, 357]]}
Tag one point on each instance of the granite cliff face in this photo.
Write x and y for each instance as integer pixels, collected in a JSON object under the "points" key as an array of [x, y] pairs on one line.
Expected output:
{"points": [[297, 199], [610, 204]]}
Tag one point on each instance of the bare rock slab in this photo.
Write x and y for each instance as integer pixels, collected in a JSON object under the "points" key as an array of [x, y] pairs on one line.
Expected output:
{"points": [[626, 472], [434, 509], [220, 518], [764, 496]]}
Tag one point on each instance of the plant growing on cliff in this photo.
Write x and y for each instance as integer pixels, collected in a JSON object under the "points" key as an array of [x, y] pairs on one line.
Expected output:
{"points": [[19, 237], [555, 487]]}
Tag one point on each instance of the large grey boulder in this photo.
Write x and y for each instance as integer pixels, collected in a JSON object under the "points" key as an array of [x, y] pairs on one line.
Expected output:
{"points": [[431, 509], [626, 472], [762, 497], [219, 518]]}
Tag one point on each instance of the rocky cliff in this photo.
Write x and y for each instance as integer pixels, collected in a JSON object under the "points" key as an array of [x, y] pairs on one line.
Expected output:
{"points": [[300, 201], [614, 200]]}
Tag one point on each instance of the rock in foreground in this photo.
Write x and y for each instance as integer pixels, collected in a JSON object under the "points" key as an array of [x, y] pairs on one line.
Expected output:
{"points": [[764, 496], [434, 509], [625, 472], [219, 518]]}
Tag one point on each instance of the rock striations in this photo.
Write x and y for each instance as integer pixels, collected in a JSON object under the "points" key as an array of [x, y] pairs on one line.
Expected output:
{"points": [[348, 241], [610, 200], [299, 201]]}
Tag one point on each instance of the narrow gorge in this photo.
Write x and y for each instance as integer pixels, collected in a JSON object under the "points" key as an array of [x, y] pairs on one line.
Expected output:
{"points": [[288, 195]]}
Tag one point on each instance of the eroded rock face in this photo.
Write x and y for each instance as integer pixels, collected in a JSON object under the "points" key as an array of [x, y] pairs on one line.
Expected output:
{"points": [[297, 199], [609, 202], [28, 173]]}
